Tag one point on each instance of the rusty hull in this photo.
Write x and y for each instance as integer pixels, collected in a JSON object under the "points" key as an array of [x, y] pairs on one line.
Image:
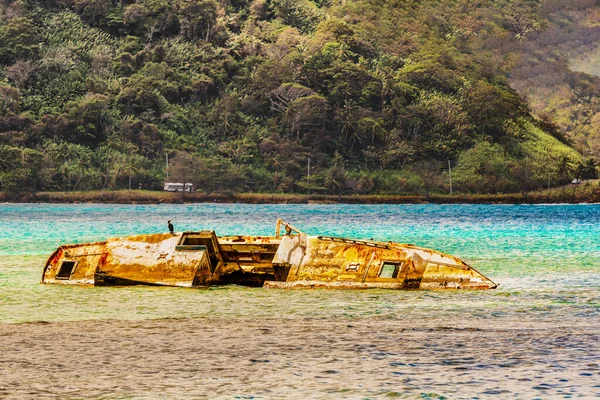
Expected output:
{"points": [[286, 260], [355, 264], [164, 260]]}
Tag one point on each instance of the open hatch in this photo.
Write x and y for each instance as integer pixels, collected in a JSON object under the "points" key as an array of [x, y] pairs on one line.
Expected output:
{"points": [[202, 241]]}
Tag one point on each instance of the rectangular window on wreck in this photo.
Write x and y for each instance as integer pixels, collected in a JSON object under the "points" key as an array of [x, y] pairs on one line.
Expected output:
{"points": [[390, 270], [66, 269]]}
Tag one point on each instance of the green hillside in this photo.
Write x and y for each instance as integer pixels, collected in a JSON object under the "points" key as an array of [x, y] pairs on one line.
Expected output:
{"points": [[238, 95], [557, 71]]}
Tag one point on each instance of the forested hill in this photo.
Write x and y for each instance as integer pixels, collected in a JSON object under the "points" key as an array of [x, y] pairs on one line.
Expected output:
{"points": [[381, 96], [548, 71]]}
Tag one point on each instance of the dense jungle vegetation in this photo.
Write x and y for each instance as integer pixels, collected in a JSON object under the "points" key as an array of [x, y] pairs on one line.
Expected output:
{"points": [[383, 96]]}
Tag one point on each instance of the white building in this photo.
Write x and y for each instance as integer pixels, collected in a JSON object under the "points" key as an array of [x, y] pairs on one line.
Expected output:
{"points": [[178, 187]]}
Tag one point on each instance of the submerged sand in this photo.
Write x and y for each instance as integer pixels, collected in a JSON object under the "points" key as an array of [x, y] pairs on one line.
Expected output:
{"points": [[297, 358]]}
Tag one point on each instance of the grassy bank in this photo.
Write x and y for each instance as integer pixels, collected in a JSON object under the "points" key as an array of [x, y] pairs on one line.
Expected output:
{"points": [[587, 192]]}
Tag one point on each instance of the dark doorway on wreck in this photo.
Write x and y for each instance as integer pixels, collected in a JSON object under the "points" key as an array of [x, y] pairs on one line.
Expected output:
{"points": [[66, 269]]}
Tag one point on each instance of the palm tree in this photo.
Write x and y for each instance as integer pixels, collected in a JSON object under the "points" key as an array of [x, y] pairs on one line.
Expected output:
{"points": [[132, 166], [84, 166], [564, 167], [70, 153], [102, 158], [335, 179], [275, 162]]}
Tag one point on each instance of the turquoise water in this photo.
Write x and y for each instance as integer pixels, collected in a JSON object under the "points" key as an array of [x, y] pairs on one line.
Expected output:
{"points": [[542, 322], [550, 252]]}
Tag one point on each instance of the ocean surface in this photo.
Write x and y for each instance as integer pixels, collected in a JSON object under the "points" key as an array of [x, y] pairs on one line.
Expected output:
{"points": [[536, 336]]}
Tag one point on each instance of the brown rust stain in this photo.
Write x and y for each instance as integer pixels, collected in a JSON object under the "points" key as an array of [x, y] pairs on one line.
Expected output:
{"points": [[149, 238]]}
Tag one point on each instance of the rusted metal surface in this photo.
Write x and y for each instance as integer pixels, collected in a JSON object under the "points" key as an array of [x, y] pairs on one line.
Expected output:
{"points": [[290, 259], [84, 259], [151, 259]]}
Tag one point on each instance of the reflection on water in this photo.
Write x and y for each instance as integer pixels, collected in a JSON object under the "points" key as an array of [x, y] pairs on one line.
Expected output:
{"points": [[537, 335]]}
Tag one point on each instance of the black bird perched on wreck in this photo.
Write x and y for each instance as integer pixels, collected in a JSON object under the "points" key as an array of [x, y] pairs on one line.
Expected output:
{"points": [[170, 227]]}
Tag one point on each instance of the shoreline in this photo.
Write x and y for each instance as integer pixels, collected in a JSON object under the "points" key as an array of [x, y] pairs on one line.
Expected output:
{"points": [[571, 194]]}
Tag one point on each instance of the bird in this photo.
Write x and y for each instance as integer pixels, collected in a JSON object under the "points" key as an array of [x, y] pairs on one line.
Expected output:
{"points": [[170, 226]]}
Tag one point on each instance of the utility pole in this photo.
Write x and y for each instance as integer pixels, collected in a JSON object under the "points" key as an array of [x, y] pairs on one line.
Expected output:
{"points": [[308, 179], [526, 174], [450, 175], [167, 169]]}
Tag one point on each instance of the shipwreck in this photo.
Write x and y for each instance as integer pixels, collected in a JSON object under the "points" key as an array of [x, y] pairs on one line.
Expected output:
{"points": [[289, 259]]}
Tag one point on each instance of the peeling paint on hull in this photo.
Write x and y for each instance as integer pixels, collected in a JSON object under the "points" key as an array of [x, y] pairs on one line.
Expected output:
{"points": [[290, 259]]}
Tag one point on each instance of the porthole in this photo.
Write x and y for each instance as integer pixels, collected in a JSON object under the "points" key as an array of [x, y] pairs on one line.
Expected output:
{"points": [[353, 267]]}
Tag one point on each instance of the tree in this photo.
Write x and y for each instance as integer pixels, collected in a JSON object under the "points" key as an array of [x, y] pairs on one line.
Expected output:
{"points": [[132, 165], [102, 157], [335, 179], [287, 93], [84, 167], [92, 11], [19, 40], [197, 18], [274, 162], [141, 96], [489, 106], [487, 168], [152, 19], [70, 163], [19, 169], [437, 125], [238, 151], [587, 169], [429, 172], [301, 107], [89, 119], [301, 14], [565, 167], [185, 168], [430, 74], [10, 100], [20, 72]]}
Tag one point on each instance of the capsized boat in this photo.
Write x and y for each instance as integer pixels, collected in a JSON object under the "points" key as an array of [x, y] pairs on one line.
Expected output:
{"points": [[290, 259]]}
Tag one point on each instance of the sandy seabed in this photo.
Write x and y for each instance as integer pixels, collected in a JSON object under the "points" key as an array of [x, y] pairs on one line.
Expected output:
{"points": [[296, 358]]}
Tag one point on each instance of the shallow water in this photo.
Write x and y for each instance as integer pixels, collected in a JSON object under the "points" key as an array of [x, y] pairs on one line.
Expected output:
{"points": [[536, 336]]}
